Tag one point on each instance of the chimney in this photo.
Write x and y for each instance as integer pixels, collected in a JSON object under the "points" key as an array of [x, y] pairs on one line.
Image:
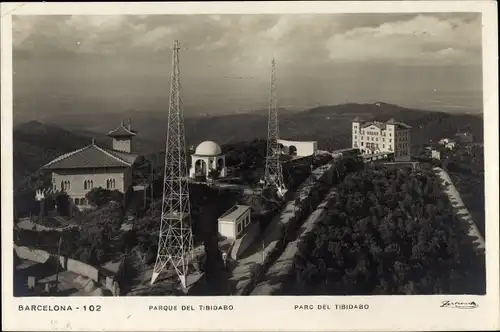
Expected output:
{"points": [[129, 126]]}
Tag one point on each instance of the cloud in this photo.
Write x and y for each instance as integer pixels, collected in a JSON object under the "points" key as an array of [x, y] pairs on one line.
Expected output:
{"points": [[422, 39], [251, 40]]}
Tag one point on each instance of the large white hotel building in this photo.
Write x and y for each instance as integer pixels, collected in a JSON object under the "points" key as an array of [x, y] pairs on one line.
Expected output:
{"points": [[375, 137]]}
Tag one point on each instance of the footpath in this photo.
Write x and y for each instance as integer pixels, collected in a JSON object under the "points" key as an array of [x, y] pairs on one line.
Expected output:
{"points": [[266, 244], [281, 268], [459, 207]]}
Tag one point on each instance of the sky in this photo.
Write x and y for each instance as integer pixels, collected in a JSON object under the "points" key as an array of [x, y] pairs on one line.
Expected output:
{"points": [[114, 63]]}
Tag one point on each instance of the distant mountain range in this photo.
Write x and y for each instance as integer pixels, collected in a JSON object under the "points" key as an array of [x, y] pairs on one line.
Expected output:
{"points": [[36, 143]]}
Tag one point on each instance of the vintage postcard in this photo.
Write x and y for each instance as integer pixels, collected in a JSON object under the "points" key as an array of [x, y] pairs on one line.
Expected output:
{"points": [[250, 166]]}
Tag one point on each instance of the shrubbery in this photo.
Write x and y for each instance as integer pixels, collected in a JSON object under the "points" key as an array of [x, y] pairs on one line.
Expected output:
{"points": [[98, 196], [94, 243]]}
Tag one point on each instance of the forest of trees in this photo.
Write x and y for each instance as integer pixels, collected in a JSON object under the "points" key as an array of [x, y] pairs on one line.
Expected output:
{"points": [[389, 231]]}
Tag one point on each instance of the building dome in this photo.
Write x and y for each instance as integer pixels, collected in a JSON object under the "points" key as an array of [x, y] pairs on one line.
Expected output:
{"points": [[208, 148]]}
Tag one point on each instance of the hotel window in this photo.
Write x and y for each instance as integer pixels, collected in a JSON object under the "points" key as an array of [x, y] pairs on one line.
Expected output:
{"points": [[238, 228], [390, 140], [361, 143], [383, 146], [355, 137]]}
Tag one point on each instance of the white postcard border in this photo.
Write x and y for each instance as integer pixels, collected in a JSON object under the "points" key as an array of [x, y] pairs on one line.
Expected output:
{"points": [[258, 313]]}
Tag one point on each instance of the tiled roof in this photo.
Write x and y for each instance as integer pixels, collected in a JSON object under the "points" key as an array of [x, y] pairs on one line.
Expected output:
{"points": [[92, 156], [383, 125], [376, 124], [402, 125], [122, 131]]}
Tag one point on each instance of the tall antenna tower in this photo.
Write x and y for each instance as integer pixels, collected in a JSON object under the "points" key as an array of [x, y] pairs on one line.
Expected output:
{"points": [[273, 177], [175, 244]]}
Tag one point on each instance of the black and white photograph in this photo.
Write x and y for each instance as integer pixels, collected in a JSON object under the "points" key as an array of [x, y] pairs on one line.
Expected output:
{"points": [[224, 162], [335, 154]]}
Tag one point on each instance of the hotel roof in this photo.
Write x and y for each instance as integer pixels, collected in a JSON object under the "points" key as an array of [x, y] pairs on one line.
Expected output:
{"points": [[383, 125], [92, 156]]}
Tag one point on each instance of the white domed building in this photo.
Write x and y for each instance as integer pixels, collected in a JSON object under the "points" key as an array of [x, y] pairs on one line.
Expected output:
{"points": [[207, 157]]}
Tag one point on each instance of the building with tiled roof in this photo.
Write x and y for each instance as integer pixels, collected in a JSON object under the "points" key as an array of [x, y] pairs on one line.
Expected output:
{"points": [[122, 137], [93, 166], [373, 137]]}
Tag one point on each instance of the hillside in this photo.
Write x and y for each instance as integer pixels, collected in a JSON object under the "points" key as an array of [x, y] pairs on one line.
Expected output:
{"points": [[36, 143], [330, 125]]}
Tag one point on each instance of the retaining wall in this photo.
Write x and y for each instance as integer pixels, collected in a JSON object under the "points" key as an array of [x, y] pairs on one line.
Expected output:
{"points": [[41, 256], [34, 255], [82, 269], [243, 243]]}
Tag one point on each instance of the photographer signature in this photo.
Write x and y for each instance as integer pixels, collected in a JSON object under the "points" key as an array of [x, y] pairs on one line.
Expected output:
{"points": [[459, 304]]}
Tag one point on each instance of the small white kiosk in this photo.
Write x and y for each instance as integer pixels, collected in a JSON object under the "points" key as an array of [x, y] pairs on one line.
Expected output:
{"points": [[234, 221]]}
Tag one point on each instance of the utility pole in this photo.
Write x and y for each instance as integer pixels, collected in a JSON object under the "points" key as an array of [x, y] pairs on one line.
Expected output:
{"points": [[58, 262], [263, 250], [175, 245], [152, 175]]}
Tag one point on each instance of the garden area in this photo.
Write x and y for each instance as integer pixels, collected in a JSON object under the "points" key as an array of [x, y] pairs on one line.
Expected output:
{"points": [[97, 239], [388, 231]]}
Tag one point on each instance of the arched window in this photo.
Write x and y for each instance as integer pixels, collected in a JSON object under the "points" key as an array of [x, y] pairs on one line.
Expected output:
{"points": [[85, 185], [107, 184], [62, 185], [91, 184], [113, 183], [83, 201], [77, 201]]}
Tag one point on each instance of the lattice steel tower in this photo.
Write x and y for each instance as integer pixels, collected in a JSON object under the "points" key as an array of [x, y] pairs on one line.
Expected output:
{"points": [[175, 244], [273, 177]]}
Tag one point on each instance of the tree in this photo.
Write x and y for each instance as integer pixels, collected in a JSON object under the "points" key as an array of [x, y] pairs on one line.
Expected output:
{"points": [[393, 231], [99, 196], [63, 204]]}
